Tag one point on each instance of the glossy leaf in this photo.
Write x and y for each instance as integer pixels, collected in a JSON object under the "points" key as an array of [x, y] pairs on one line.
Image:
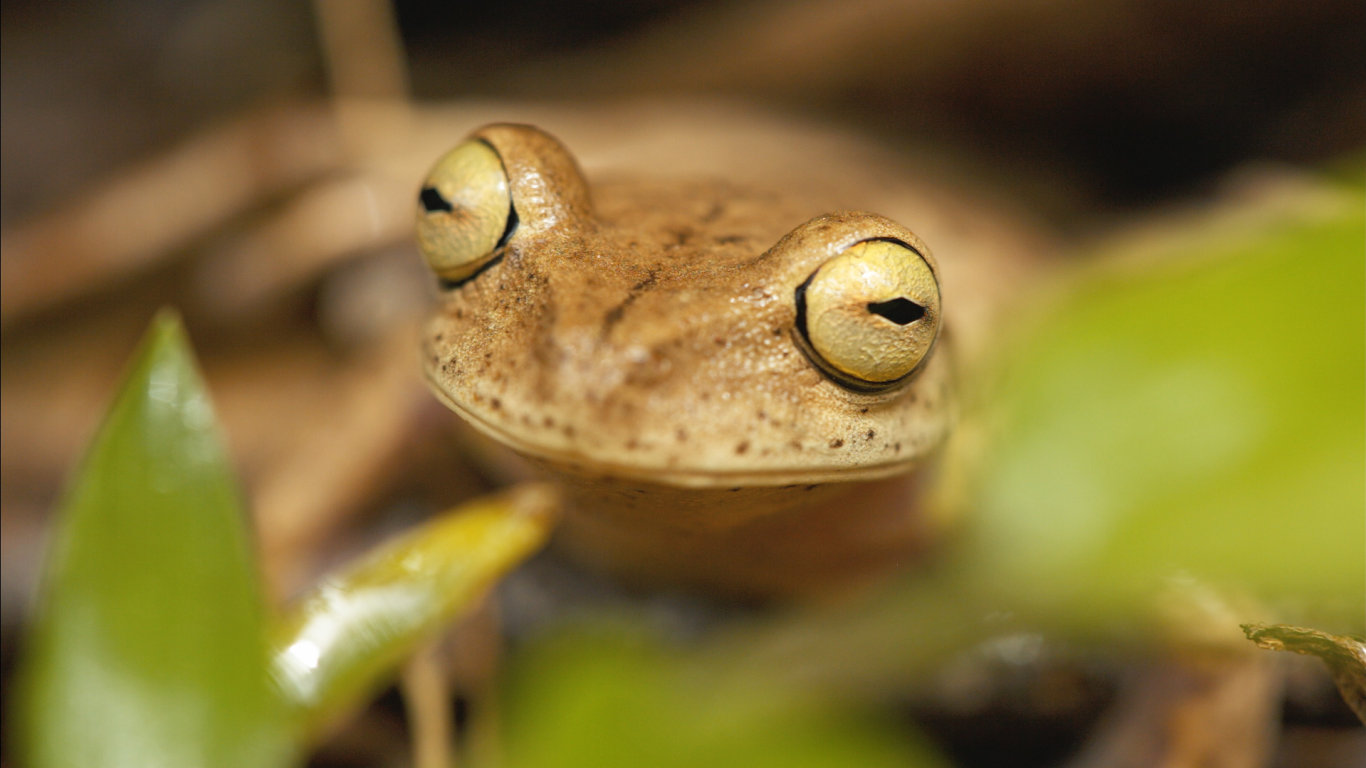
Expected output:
{"points": [[1200, 417], [350, 633], [148, 648]]}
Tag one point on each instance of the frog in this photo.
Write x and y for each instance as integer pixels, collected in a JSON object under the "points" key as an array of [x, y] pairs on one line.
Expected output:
{"points": [[738, 389]]}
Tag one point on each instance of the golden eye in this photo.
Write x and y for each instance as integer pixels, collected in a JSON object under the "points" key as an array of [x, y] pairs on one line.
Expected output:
{"points": [[464, 211], [870, 315]]}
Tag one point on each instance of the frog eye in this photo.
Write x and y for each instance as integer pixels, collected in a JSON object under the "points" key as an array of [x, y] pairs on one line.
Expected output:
{"points": [[465, 211], [870, 315]]}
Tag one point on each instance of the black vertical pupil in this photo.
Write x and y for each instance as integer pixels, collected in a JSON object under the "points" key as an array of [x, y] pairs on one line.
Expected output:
{"points": [[432, 201], [899, 310]]}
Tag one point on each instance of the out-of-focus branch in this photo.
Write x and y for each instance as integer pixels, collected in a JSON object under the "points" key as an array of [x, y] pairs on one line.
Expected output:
{"points": [[137, 220], [367, 70]]}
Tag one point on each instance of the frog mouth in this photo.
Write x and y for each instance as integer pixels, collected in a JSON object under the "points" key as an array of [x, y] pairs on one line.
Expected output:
{"points": [[588, 463]]}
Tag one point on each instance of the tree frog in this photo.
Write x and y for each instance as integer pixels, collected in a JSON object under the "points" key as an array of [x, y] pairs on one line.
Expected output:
{"points": [[737, 388]]}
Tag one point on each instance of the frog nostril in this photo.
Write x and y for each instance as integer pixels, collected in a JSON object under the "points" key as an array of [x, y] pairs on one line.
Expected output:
{"points": [[432, 201], [899, 310]]}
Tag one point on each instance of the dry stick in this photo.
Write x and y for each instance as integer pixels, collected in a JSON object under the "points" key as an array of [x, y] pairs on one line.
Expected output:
{"points": [[310, 234], [139, 219], [367, 70], [142, 217], [427, 697]]}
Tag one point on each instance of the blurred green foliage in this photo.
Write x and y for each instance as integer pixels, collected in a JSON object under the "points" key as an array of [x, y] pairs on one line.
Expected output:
{"points": [[1201, 417], [149, 647], [612, 696]]}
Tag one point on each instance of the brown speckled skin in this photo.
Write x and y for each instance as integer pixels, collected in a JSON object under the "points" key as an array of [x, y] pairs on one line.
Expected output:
{"points": [[642, 347]]}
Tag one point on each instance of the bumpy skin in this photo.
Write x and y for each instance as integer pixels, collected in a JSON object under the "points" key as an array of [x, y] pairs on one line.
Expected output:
{"points": [[644, 349]]}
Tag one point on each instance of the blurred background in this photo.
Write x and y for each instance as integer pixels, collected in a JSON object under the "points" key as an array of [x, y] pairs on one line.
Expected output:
{"points": [[1124, 101], [251, 162]]}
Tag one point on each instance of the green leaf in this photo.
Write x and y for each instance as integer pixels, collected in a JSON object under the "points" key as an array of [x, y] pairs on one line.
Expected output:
{"points": [[612, 696], [148, 646], [350, 633], [1202, 417]]}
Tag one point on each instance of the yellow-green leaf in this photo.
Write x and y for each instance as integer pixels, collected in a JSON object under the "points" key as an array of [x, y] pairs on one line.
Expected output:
{"points": [[350, 632]]}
